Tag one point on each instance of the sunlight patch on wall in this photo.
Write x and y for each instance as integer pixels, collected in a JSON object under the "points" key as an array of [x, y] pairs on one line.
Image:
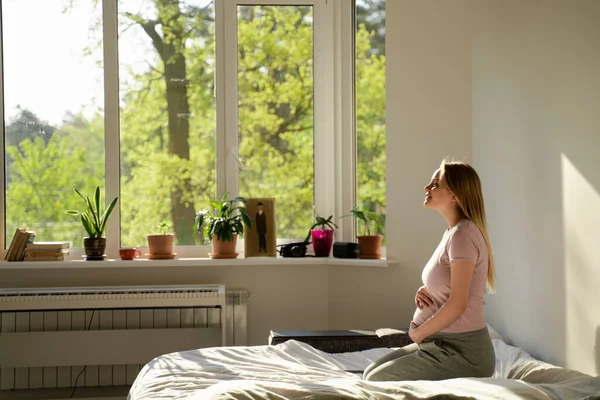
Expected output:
{"points": [[581, 221]]}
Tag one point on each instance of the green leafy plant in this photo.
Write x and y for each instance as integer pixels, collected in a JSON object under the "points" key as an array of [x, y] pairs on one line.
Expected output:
{"points": [[227, 219], [323, 224], [163, 227], [94, 217], [368, 217]]}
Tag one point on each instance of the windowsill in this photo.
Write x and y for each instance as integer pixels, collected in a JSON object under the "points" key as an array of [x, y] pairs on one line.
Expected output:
{"points": [[196, 262]]}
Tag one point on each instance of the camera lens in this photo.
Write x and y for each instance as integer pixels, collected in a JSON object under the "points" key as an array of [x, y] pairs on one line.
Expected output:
{"points": [[296, 251]]}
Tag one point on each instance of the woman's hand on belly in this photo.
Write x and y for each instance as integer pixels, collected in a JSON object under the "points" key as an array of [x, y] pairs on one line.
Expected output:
{"points": [[423, 298]]}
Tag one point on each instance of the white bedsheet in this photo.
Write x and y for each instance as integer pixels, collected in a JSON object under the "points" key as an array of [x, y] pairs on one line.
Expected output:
{"points": [[294, 370]]}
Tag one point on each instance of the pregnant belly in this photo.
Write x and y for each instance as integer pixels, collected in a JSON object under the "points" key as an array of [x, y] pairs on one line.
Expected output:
{"points": [[423, 315]]}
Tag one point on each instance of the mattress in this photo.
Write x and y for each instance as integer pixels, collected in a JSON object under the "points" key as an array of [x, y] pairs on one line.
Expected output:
{"points": [[295, 370]]}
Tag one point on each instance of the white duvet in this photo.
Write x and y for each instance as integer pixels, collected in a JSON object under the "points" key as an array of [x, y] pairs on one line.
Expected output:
{"points": [[295, 370]]}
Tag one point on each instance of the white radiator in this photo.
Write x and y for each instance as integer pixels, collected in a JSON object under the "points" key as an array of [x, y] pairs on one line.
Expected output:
{"points": [[49, 335]]}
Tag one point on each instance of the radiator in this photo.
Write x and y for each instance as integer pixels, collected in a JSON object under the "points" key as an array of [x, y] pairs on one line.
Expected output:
{"points": [[49, 335]]}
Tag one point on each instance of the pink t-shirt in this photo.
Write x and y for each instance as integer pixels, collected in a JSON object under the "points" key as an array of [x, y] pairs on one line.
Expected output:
{"points": [[462, 242]]}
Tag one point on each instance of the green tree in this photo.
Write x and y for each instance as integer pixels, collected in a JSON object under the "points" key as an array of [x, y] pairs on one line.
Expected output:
{"points": [[370, 125], [173, 31], [41, 187], [370, 16], [169, 33], [275, 86], [275, 78], [167, 137], [26, 125]]}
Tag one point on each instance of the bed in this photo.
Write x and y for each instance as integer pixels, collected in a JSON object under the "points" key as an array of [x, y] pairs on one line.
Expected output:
{"points": [[295, 370]]}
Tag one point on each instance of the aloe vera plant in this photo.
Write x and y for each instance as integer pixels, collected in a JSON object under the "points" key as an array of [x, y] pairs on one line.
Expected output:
{"points": [[94, 217], [322, 235], [323, 224]]}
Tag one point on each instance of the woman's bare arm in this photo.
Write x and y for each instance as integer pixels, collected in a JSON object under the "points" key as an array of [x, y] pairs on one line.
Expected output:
{"points": [[461, 274]]}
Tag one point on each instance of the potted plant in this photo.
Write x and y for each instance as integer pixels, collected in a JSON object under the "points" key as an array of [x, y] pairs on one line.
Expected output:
{"points": [[160, 245], [94, 220], [322, 237], [223, 225], [369, 245]]}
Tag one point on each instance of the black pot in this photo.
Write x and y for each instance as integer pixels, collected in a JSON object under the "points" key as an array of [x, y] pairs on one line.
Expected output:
{"points": [[94, 247]]}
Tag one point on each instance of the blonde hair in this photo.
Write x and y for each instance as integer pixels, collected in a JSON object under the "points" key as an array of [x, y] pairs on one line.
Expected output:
{"points": [[462, 180]]}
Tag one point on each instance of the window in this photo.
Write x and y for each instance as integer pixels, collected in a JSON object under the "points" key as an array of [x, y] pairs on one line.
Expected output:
{"points": [[275, 111], [370, 105], [167, 116], [54, 122], [168, 104]]}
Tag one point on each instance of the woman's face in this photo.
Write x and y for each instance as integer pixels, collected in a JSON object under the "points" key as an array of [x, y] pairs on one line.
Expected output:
{"points": [[437, 196]]}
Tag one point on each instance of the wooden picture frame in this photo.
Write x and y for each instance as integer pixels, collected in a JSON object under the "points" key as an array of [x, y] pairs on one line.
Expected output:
{"points": [[261, 240]]}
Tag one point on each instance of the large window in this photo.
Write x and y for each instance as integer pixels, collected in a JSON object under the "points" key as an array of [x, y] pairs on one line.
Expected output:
{"points": [[170, 103], [53, 118]]}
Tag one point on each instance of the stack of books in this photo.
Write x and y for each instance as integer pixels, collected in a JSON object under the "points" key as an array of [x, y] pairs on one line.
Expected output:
{"points": [[46, 251], [18, 246]]}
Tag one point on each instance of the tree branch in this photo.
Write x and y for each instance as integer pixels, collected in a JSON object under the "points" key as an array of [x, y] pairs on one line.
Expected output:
{"points": [[204, 12], [149, 27]]}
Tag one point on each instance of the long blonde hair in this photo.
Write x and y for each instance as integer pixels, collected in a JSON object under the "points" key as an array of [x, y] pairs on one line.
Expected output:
{"points": [[462, 180]]}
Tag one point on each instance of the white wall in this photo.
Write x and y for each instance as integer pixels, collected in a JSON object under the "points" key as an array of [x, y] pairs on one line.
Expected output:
{"points": [[530, 70], [429, 117], [428, 94], [536, 144]]}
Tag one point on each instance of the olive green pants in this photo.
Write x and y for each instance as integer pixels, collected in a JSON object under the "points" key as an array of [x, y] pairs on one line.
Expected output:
{"points": [[440, 356]]}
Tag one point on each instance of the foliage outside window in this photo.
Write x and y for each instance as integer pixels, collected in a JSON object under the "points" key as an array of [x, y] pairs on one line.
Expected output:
{"points": [[370, 106], [54, 122], [275, 95], [168, 115], [54, 112]]}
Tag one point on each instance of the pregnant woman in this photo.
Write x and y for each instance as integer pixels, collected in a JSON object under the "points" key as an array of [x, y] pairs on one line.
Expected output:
{"points": [[448, 329]]}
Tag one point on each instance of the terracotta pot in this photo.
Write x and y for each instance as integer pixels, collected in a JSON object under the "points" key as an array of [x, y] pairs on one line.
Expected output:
{"points": [[160, 244], [223, 249], [94, 247], [322, 240], [369, 247]]}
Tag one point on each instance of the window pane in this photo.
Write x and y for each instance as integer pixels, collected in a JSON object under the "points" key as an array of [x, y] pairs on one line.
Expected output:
{"points": [[275, 97], [53, 100], [166, 74], [370, 105]]}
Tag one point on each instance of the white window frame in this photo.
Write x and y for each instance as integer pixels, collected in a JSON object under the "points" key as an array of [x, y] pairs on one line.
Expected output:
{"points": [[112, 117], [334, 100], [333, 92]]}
